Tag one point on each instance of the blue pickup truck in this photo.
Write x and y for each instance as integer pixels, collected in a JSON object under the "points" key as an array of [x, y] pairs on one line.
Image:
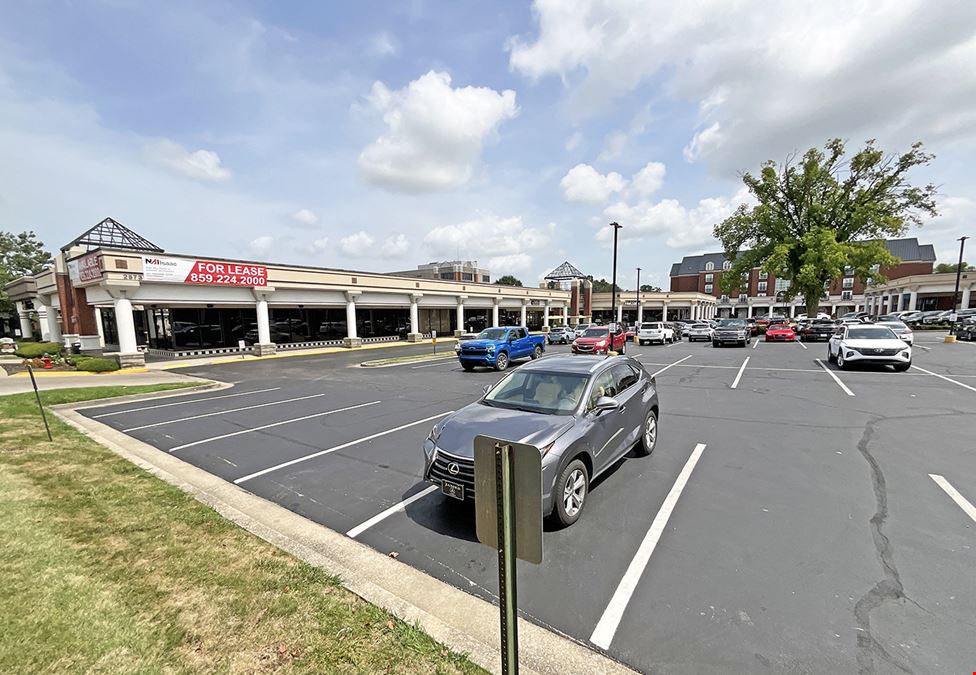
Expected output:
{"points": [[497, 347]]}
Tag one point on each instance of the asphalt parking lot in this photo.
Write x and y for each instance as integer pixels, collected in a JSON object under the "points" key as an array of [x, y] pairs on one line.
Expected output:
{"points": [[823, 521]]}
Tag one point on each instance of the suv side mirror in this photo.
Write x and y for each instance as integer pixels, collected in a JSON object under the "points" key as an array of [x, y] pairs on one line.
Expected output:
{"points": [[605, 403]]}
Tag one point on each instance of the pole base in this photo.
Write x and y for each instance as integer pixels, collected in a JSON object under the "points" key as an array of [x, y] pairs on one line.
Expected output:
{"points": [[949, 339]]}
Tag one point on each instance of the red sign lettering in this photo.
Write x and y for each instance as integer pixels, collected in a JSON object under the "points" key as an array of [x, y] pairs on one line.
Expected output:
{"points": [[227, 274]]}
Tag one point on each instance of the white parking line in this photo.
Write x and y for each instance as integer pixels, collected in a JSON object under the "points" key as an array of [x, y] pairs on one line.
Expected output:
{"points": [[836, 379], [742, 369], [338, 447], [670, 365], [606, 628], [928, 349], [196, 400], [222, 412], [800, 343], [755, 343], [943, 377], [359, 529], [269, 426], [954, 495]]}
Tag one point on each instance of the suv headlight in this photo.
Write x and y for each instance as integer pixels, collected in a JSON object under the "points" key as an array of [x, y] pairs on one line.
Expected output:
{"points": [[490, 348], [434, 434]]}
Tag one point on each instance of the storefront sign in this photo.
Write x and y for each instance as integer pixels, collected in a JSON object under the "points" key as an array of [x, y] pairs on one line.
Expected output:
{"points": [[183, 271], [86, 268]]}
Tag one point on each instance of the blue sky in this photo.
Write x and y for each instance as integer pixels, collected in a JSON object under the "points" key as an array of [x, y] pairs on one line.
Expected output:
{"points": [[379, 136]]}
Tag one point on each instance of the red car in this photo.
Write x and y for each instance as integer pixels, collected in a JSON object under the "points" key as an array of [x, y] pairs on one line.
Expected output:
{"points": [[597, 340], [780, 333]]}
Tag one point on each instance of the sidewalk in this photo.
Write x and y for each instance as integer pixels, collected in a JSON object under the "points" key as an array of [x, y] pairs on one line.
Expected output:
{"points": [[10, 384]]}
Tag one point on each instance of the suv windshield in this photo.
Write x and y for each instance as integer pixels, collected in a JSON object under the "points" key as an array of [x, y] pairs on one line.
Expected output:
{"points": [[492, 334], [546, 393], [872, 333], [595, 332], [732, 323]]}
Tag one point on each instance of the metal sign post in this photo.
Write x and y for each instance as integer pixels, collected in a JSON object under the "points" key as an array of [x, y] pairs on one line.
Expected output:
{"points": [[39, 406], [508, 516], [433, 339]]}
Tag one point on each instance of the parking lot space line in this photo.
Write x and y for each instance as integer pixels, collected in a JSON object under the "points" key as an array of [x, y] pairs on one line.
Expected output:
{"points": [[800, 343], [954, 495], [670, 365], [606, 628], [755, 343], [928, 349], [196, 400], [298, 460], [380, 517], [943, 377], [223, 412], [836, 379], [273, 424], [742, 369]]}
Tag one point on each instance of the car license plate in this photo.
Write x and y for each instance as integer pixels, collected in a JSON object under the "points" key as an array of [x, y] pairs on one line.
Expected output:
{"points": [[455, 490]]}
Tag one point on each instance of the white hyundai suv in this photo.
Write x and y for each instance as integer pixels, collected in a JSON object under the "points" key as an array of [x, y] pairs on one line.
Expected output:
{"points": [[655, 331], [860, 343]]}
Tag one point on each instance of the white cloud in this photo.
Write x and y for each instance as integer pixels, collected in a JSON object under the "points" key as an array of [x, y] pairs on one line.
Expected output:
{"points": [[488, 235], [320, 245], [956, 218], [358, 245], [384, 44], [363, 245], [614, 145], [261, 245], [394, 246], [585, 184], [648, 180], [768, 78], [516, 263], [434, 133], [200, 164], [305, 218], [681, 226], [574, 141]]}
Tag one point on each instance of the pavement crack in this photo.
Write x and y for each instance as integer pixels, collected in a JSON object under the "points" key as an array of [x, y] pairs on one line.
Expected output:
{"points": [[890, 587]]}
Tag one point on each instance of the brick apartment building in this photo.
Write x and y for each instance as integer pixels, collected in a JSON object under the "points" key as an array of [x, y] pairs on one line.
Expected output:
{"points": [[758, 296]]}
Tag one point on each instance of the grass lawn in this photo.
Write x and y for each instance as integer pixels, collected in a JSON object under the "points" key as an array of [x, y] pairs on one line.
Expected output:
{"points": [[107, 569]]}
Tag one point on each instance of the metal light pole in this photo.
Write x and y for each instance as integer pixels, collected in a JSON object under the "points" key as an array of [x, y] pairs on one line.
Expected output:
{"points": [[638, 292], [955, 293], [613, 290]]}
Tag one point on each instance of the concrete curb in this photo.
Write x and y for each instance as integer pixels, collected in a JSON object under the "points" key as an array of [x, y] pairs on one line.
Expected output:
{"points": [[462, 622]]}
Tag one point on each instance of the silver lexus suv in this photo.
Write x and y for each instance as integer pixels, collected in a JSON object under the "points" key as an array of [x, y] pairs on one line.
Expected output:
{"points": [[731, 331]]}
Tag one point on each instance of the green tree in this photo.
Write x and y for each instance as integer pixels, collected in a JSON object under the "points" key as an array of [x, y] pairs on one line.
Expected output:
{"points": [[647, 288], [20, 254], [942, 268], [825, 212], [508, 280], [603, 286]]}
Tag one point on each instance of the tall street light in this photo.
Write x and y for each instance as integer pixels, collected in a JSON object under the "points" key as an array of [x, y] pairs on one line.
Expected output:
{"points": [[613, 297], [638, 295], [955, 293]]}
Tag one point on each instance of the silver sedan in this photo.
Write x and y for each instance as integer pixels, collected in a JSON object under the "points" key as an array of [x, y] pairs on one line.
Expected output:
{"points": [[583, 412]]}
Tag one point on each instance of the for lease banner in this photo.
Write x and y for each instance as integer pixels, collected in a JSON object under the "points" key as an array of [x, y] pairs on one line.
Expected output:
{"points": [[206, 272], [85, 268]]}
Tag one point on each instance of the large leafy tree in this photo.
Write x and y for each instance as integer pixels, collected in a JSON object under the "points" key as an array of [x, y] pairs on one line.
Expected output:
{"points": [[825, 211], [603, 286], [942, 268], [20, 254], [508, 280], [648, 288]]}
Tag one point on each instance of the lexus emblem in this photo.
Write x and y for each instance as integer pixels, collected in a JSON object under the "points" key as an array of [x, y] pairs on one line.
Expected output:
{"points": [[877, 351], [453, 468]]}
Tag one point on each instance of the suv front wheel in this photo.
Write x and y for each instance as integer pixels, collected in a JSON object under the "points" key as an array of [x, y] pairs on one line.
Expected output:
{"points": [[571, 489]]}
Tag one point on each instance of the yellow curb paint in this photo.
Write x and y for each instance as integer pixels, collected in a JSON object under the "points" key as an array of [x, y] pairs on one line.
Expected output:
{"points": [[80, 373]]}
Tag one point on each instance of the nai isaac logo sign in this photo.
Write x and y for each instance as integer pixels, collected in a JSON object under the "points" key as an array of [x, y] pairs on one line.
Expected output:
{"points": [[203, 272]]}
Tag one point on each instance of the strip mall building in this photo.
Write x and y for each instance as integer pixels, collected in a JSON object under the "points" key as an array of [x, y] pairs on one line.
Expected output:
{"points": [[113, 291]]}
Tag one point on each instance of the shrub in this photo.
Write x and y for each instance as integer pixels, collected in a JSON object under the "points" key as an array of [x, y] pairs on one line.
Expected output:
{"points": [[33, 350], [96, 364]]}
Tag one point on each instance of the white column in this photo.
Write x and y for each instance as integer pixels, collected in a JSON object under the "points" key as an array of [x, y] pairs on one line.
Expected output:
{"points": [[351, 317], [664, 312], [749, 311], [99, 327], [26, 332], [53, 324], [460, 314], [494, 312], [42, 311], [692, 311], [264, 325], [545, 315], [524, 319], [792, 310], [966, 295], [125, 326], [414, 318], [620, 313], [913, 300]]}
